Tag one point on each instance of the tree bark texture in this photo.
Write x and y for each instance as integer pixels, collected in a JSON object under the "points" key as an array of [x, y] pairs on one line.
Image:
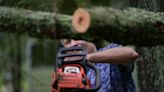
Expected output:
{"points": [[150, 69], [129, 26], [34, 23], [150, 64]]}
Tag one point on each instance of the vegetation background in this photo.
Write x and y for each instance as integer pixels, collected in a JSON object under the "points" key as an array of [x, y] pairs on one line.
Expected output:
{"points": [[26, 63]]}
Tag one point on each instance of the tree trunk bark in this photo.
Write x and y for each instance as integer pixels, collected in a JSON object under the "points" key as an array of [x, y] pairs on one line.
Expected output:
{"points": [[150, 69], [34, 23], [150, 64], [129, 26], [17, 68]]}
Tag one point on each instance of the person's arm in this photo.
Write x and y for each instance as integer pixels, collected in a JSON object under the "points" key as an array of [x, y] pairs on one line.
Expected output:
{"points": [[119, 55]]}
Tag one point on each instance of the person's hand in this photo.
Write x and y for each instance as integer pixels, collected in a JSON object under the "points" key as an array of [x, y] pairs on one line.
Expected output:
{"points": [[73, 58]]}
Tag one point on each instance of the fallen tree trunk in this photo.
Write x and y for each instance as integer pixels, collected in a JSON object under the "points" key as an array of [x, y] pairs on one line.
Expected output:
{"points": [[122, 29], [35, 23], [129, 26]]}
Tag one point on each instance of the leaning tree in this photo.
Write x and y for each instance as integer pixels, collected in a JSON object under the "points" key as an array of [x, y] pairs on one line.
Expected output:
{"points": [[149, 66]]}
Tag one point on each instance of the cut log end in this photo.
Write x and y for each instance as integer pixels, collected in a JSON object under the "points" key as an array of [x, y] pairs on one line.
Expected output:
{"points": [[81, 20]]}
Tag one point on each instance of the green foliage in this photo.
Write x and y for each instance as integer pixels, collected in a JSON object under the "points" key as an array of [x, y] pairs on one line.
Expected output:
{"points": [[44, 5], [100, 2], [66, 6], [43, 52], [1, 83], [69, 6]]}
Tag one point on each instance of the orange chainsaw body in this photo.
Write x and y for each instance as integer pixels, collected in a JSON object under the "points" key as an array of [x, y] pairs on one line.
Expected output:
{"points": [[71, 75], [63, 80]]}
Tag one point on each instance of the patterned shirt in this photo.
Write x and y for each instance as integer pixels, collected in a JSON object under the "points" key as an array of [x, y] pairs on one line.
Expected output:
{"points": [[114, 77]]}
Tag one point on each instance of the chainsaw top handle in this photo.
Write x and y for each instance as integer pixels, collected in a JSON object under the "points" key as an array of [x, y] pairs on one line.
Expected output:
{"points": [[62, 53]]}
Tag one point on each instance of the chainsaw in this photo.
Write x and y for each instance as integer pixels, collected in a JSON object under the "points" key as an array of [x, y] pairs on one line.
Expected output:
{"points": [[71, 76]]}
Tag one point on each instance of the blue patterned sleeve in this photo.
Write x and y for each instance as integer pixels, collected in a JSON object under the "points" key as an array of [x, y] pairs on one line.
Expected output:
{"points": [[128, 67], [112, 75], [112, 45]]}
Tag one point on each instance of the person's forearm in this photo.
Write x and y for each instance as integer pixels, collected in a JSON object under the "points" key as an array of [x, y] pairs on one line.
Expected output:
{"points": [[121, 55]]}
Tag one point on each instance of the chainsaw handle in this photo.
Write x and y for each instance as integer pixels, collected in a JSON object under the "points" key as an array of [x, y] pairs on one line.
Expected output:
{"points": [[61, 55], [98, 78]]}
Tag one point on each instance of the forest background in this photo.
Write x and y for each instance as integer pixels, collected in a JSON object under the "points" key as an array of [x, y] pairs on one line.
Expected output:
{"points": [[26, 62]]}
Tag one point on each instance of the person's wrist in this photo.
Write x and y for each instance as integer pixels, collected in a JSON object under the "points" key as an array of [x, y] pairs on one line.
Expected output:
{"points": [[88, 57]]}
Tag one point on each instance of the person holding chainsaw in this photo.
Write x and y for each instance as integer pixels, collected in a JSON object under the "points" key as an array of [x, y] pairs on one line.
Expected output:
{"points": [[114, 61]]}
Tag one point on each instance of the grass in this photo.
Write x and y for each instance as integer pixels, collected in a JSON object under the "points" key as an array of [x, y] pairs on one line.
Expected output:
{"points": [[42, 79]]}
